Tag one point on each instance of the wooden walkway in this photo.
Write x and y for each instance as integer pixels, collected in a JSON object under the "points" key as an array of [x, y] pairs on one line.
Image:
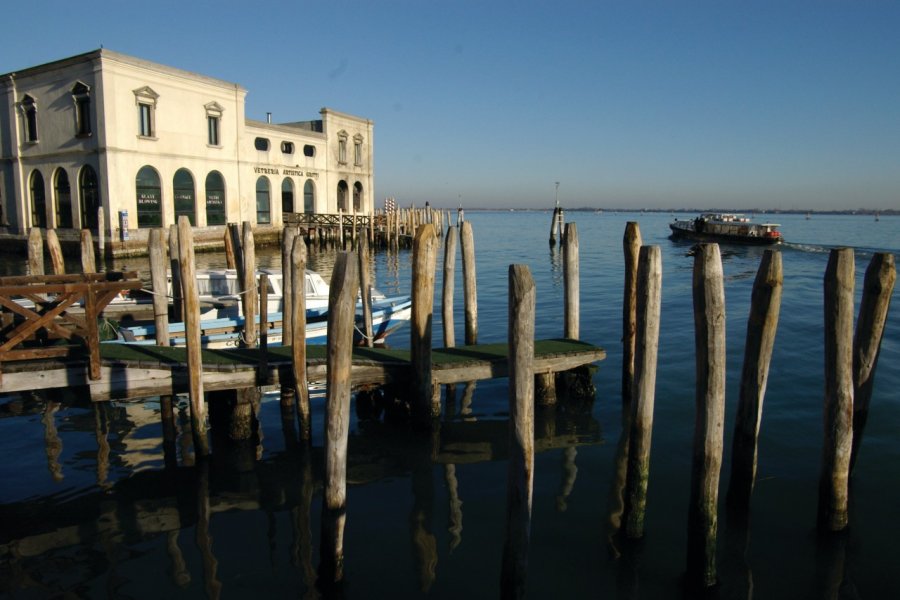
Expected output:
{"points": [[136, 371]]}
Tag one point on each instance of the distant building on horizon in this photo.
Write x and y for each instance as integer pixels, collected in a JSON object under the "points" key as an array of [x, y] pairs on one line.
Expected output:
{"points": [[146, 143]]}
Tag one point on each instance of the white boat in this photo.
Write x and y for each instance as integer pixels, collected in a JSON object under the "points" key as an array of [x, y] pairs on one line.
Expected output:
{"points": [[725, 227], [388, 314]]}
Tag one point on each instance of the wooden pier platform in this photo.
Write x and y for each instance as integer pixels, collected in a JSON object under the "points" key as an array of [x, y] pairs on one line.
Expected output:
{"points": [[135, 371]]}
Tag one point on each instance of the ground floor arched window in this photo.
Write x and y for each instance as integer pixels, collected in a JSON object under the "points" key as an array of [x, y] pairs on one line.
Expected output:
{"points": [[38, 200], [343, 196], [63, 194], [309, 197], [215, 199], [263, 201], [357, 197], [149, 198], [183, 195], [287, 196], [89, 194]]}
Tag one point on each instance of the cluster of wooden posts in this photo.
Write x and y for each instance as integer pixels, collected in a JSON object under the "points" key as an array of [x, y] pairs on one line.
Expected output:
{"points": [[850, 363], [389, 229]]}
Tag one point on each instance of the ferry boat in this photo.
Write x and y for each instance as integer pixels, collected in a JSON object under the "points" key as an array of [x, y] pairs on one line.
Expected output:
{"points": [[725, 227]]}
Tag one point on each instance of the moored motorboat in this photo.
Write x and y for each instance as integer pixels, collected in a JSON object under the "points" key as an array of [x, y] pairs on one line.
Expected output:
{"points": [[725, 227], [388, 314]]}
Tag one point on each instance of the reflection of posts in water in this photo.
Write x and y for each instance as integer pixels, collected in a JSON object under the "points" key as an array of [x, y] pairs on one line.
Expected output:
{"points": [[203, 537], [831, 565], [520, 473], [180, 574], [424, 544], [838, 442], [465, 408], [449, 402], [631, 245], [52, 443], [101, 431], [737, 578], [187, 451], [288, 411], [644, 392], [169, 431], [303, 545], [456, 515], [762, 323], [570, 472], [616, 499], [873, 308], [341, 309]]}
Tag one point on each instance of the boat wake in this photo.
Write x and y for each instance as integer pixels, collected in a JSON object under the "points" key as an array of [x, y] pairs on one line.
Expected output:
{"points": [[859, 251]]}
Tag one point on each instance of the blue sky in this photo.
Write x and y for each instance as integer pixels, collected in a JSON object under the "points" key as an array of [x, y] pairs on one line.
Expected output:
{"points": [[656, 104]]}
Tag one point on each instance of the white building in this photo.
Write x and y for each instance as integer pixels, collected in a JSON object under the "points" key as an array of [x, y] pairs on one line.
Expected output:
{"points": [[107, 133]]}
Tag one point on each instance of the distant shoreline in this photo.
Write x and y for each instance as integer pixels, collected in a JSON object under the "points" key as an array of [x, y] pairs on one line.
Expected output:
{"points": [[760, 211]]}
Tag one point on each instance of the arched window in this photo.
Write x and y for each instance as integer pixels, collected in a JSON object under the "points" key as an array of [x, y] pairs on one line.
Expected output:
{"points": [[215, 199], [357, 197], [38, 200], [343, 194], [287, 195], [183, 194], [149, 198], [63, 195], [263, 204], [89, 194], [309, 197]]}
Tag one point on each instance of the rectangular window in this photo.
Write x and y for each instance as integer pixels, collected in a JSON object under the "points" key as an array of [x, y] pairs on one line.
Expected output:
{"points": [[83, 116], [145, 116], [342, 151], [357, 154], [213, 127]]}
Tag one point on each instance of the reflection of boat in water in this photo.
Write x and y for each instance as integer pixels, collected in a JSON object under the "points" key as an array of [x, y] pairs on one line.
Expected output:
{"points": [[726, 227]]}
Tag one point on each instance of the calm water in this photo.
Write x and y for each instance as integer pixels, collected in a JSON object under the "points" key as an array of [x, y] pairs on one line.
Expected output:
{"points": [[87, 506]]}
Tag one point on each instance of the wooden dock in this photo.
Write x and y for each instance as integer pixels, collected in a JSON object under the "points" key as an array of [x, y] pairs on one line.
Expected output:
{"points": [[136, 371]]}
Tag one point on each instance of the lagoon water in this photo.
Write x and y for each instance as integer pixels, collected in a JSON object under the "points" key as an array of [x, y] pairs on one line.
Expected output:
{"points": [[89, 508]]}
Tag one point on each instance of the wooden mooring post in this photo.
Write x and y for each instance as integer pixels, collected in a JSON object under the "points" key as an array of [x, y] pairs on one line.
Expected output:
{"points": [[158, 280], [571, 290], [838, 406], [35, 252], [175, 267], [709, 336], [341, 317], [289, 233], [249, 297], [631, 245], [649, 302], [520, 470], [765, 306], [192, 335], [88, 263], [365, 290], [57, 262], [298, 335], [448, 286], [423, 267], [467, 243], [878, 287]]}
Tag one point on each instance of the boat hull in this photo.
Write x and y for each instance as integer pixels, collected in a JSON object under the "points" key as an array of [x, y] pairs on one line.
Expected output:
{"points": [[681, 233]]}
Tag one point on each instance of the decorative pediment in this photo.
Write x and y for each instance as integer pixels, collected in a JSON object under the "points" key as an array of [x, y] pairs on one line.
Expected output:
{"points": [[146, 94], [214, 109]]}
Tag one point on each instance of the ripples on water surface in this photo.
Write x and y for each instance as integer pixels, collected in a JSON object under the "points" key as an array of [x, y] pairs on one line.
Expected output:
{"points": [[87, 506]]}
